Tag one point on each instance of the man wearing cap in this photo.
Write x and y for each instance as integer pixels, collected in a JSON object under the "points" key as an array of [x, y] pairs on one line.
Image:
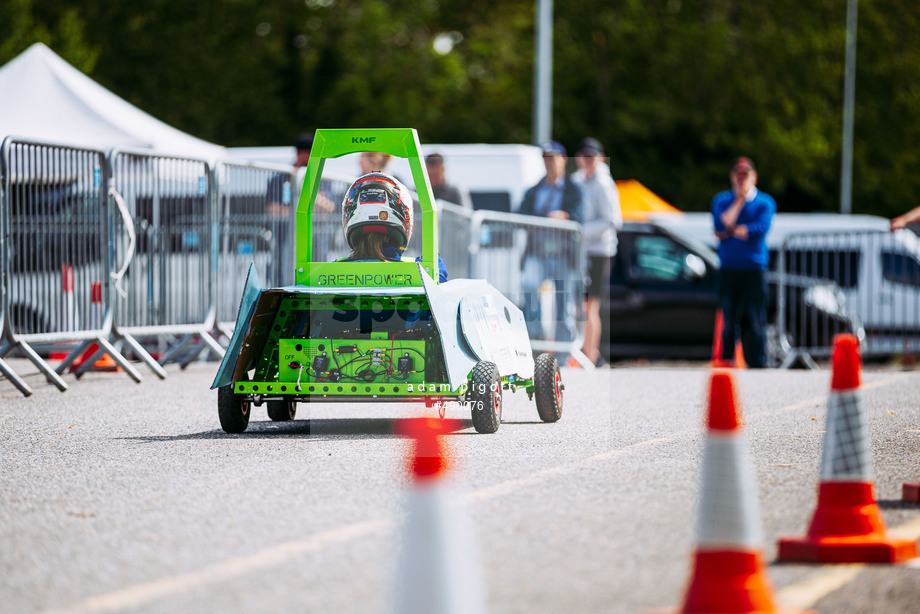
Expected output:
{"points": [[282, 195], [279, 199], [602, 219], [303, 144], [741, 219], [548, 254], [555, 195]]}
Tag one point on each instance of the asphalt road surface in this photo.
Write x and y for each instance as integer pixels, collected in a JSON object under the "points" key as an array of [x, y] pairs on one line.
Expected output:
{"points": [[123, 497]]}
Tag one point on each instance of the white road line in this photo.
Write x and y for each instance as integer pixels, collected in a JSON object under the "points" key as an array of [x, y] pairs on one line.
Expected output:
{"points": [[807, 593], [908, 530], [822, 400], [541, 476], [140, 594], [884, 382]]}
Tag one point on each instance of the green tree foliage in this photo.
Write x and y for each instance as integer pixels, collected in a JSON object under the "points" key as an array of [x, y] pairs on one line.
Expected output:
{"points": [[674, 89], [686, 87], [22, 24]]}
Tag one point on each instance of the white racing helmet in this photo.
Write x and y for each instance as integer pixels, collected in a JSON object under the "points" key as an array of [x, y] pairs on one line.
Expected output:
{"points": [[378, 202]]}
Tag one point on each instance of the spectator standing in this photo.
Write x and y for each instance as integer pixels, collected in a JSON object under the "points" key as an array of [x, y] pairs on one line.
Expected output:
{"points": [[281, 195], [555, 196], [741, 219], [441, 188], [304, 145], [279, 215], [279, 199], [602, 219]]}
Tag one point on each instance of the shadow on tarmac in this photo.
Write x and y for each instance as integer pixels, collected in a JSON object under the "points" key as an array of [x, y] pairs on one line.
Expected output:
{"points": [[334, 429], [896, 504]]}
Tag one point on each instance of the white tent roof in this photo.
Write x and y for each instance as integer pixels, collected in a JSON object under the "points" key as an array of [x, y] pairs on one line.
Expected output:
{"points": [[43, 97]]}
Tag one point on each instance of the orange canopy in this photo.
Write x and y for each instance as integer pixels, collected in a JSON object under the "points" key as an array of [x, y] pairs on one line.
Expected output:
{"points": [[638, 202]]}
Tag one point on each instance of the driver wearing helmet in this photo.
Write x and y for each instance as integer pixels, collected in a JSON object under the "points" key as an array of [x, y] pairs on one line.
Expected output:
{"points": [[378, 221]]}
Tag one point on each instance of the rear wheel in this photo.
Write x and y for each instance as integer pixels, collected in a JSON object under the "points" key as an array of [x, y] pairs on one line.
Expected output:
{"points": [[282, 411], [486, 397], [548, 387], [232, 410]]}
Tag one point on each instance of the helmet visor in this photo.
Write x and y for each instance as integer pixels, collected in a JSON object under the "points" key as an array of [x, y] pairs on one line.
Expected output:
{"points": [[372, 196]]}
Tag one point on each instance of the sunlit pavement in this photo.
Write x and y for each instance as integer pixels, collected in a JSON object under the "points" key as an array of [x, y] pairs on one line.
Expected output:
{"points": [[128, 497]]}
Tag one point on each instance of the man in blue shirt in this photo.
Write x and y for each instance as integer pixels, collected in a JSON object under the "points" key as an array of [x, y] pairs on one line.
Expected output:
{"points": [[741, 218], [550, 255], [556, 195]]}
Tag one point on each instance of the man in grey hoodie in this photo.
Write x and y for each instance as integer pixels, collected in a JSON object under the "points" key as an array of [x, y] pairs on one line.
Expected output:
{"points": [[602, 219]]}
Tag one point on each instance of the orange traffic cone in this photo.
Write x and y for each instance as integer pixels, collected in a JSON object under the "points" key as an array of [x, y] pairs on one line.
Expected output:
{"points": [[847, 526], [103, 363], [439, 571], [728, 572], [717, 360], [96, 314]]}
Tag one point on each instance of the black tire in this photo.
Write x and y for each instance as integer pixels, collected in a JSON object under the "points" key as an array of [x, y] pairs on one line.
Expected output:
{"points": [[486, 397], [233, 411], [282, 411], [548, 387]]}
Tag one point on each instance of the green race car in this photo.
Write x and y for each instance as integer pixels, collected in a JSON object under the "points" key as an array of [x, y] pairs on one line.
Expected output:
{"points": [[375, 331]]}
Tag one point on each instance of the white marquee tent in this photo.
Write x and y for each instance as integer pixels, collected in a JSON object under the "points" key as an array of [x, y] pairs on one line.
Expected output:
{"points": [[43, 97]]}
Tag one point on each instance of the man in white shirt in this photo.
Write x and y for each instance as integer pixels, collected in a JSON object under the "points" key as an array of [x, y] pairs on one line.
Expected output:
{"points": [[602, 219]]}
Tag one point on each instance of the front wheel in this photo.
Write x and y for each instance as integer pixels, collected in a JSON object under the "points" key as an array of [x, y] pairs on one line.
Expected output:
{"points": [[282, 411], [548, 387], [232, 410], [486, 397]]}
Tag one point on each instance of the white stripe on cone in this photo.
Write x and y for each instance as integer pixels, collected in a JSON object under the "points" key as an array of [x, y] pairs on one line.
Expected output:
{"points": [[439, 570], [847, 455], [729, 510]]}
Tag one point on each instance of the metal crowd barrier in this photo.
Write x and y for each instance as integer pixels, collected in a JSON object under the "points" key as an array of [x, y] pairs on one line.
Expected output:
{"points": [[166, 289], [813, 311], [55, 221], [256, 204], [255, 218], [539, 264], [874, 291], [455, 224], [135, 246]]}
